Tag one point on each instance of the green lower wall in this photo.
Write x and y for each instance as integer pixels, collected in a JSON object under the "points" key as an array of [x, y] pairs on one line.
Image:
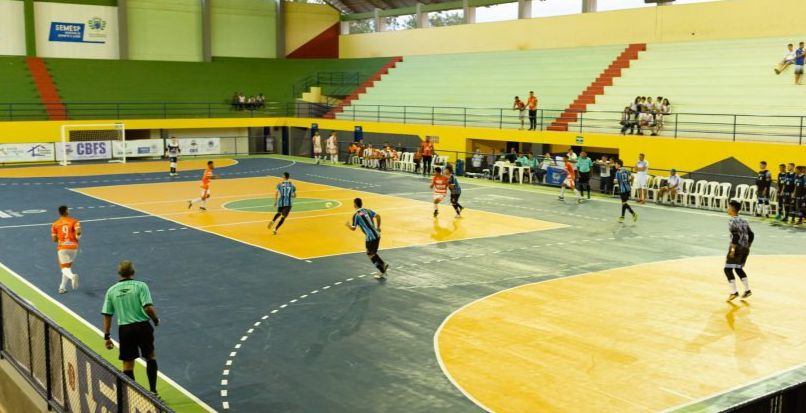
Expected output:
{"points": [[165, 30], [244, 28]]}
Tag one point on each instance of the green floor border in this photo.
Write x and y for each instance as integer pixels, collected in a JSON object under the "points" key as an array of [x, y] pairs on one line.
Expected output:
{"points": [[176, 398]]}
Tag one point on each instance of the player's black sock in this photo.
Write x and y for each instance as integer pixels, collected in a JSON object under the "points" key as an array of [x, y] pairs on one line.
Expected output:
{"points": [[277, 215], [151, 371], [456, 208], [280, 224], [379, 263], [740, 272], [129, 373]]}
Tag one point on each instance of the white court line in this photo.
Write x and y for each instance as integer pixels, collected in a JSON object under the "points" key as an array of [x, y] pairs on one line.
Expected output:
{"points": [[100, 334]]}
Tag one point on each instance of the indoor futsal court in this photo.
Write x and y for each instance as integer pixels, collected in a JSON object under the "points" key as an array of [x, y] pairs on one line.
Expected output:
{"points": [[524, 304]]}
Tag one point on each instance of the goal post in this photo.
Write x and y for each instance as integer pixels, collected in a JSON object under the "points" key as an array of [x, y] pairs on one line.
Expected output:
{"points": [[96, 141]]}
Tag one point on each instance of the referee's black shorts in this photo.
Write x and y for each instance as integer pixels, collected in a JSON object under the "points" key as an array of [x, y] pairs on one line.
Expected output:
{"points": [[372, 246], [136, 339], [584, 177], [284, 211]]}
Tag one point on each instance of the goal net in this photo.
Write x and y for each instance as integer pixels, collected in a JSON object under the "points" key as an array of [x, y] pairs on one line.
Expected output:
{"points": [[92, 142]]}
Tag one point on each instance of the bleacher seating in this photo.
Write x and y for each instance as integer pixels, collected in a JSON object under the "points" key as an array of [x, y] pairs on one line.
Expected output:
{"points": [[93, 81], [18, 88], [708, 83], [486, 81]]}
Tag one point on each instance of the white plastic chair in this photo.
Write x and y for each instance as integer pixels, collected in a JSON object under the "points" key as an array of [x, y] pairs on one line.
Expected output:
{"points": [[750, 202], [695, 197], [773, 200], [741, 192], [686, 185], [720, 200], [711, 191], [654, 187]]}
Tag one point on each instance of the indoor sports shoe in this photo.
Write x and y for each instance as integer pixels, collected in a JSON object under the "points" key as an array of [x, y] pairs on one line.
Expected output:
{"points": [[190, 204], [561, 198], [436, 212], [634, 217], [74, 282], [620, 220], [385, 268], [378, 276], [732, 296], [62, 290], [747, 293], [274, 232], [271, 225], [579, 201], [202, 209]]}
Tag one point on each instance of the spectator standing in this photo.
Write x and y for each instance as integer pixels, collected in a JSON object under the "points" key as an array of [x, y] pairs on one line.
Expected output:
{"points": [[605, 177], [521, 108], [234, 101], [316, 140], [642, 169], [584, 165], [427, 151], [532, 105], [800, 56], [333, 148], [788, 60], [130, 301], [671, 186]]}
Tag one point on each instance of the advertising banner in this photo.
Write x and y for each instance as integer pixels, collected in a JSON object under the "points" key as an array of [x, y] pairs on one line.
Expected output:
{"points": [[200, 146], [12, 28], [141, 148], [89, 387], [26, 152], [85, 151], [77, 31]]}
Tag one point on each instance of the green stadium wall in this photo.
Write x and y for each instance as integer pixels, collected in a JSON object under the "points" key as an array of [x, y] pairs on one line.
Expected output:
{"points": [[165, 30], [244, 28]]}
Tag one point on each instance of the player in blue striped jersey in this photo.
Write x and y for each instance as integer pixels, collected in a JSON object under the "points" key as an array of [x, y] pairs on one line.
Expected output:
{"points": [[624, 188], [366, 219], [286, 191], [456, 191]]}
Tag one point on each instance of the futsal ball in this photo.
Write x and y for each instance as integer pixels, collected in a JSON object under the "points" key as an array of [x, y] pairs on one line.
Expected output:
{"points": [[328, 204]]}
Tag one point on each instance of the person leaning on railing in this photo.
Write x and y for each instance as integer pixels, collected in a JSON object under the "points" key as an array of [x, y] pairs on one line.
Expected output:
{"points": [[130, 301]]}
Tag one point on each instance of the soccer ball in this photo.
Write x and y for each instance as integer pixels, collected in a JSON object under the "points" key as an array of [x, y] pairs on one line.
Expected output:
{"points": [[328, 204]]}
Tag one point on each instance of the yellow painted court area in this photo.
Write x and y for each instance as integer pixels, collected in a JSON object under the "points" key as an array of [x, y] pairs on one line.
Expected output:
{"points": [[56, 171], [635, 339], [317, 233]]}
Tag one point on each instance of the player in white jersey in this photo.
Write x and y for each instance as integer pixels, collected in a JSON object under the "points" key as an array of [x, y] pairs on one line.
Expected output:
{"points": [[172, 152]]}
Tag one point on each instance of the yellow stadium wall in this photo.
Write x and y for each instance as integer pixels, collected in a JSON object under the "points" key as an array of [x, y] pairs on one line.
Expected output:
{"points": [[663, 153], [310, 26], [725, 19]]}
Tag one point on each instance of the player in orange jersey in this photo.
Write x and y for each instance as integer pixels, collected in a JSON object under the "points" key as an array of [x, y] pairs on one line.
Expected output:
{"points": [[66, 232], [205, 187], [569, 181], [440, 185]]}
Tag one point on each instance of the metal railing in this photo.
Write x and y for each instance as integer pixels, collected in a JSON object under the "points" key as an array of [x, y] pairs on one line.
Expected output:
{"points": [[65, 372], [718, 126], [791, 399]]}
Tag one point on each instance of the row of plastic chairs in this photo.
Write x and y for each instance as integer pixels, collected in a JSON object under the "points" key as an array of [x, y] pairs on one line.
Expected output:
{"points": [[705, 194], [406, 163]]}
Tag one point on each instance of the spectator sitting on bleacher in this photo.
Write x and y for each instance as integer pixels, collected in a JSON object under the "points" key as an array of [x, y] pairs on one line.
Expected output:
{"points": [[234, 101], [241, 101], [788, 60], [800, 54], [261, 101], [522, 160], [627, 121], [512, 156]]}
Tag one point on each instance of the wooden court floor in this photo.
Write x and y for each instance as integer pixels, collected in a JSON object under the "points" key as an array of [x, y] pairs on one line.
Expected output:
{"points": [[638, 339], [314, 232]]}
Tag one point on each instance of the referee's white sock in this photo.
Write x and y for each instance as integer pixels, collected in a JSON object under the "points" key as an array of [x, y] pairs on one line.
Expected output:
{"points": [[68, 273], [63, 285], [733, 286]]}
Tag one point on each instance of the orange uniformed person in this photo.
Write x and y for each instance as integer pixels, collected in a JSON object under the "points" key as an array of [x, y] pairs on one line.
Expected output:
{"points": [[65, 232], [440, 185], [205, 187], [532, 105]]}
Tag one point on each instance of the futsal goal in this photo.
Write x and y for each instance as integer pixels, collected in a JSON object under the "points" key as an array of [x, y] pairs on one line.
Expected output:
{"points": [[92, 142]]}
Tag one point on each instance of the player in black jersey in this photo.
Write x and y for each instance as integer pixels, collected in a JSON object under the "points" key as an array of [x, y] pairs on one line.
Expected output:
{"points": [[799, 206], [788, 197], [780, 183], [763, 183], [172, 151]]}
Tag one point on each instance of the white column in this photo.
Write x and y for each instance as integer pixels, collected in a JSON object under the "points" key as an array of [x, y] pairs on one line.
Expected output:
{"points": [[470, 12], [345, 27], [589, 6], [421, 17], [524, 9]]}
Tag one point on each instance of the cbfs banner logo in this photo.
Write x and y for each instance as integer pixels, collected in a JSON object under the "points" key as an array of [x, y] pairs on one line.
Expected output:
{"points": [[93, 31]]}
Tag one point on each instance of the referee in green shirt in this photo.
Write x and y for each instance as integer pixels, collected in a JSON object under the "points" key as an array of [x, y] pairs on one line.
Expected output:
{"points": [[130, 301], [584, 165]]}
